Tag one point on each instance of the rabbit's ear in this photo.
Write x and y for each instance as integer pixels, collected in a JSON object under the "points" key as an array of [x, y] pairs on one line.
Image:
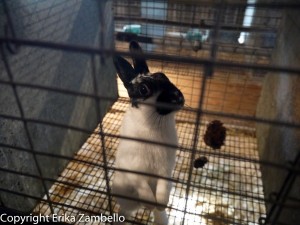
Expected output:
{"points": [[124, 70], [139, 62]]}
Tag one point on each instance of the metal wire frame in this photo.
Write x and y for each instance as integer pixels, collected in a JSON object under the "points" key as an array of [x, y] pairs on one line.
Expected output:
{"points": [[293, 170], [19, 104], [97, 98], [80, 129], [58, 156], [108, 52], [196, 25], [199, 18], [262, 4], [171, 58]]}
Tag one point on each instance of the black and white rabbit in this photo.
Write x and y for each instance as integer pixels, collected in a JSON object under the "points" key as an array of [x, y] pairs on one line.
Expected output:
{"points": [[151, 121]]}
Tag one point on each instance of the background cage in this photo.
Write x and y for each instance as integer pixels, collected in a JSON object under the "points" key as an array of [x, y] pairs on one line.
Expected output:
{"points": [[235, 61]]}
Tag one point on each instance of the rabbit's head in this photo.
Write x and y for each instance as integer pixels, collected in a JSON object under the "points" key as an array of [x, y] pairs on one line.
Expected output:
{"points": [[142, 85]]}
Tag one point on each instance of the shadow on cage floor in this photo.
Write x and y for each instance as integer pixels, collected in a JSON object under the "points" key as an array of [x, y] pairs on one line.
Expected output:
{"points": [[228, 190]]}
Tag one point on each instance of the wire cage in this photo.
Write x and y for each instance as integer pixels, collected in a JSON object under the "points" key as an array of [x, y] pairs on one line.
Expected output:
{"points": [[61, 107]]}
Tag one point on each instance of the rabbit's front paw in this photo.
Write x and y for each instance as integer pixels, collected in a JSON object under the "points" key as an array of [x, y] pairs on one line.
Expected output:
{"points": [[163, 189], [160, 217]]}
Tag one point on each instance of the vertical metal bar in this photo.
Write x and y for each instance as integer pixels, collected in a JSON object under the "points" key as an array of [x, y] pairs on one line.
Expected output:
{"points": [[101, 134], [19, 104], [214, 48], [98, 111], [286, 187], [102, 24], [9, 20], [9, 29], [200, 106]]}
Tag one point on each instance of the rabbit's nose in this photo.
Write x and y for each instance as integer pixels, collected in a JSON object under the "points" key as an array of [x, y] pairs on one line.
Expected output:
{"points": [[174, 97], [178, 98]]}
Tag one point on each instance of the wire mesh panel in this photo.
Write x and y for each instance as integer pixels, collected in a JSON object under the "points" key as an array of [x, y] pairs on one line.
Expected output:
{"points": [[219, 192], [236, 63], [48, 80]]}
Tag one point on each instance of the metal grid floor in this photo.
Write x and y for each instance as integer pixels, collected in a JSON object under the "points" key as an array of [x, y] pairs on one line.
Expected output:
{"points": [[227, 190]]}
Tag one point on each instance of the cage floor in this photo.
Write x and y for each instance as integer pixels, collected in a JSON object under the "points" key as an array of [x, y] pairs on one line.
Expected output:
{"points": [[227, 190]]}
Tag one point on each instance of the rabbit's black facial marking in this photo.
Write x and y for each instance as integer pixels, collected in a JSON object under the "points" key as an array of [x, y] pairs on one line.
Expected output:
{"points": [[144, 90], [172, 98], [169, 97], [138, 91], [142, 87]]}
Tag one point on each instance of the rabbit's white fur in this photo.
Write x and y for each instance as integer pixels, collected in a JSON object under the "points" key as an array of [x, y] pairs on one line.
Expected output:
{"points": [[145, 123]]}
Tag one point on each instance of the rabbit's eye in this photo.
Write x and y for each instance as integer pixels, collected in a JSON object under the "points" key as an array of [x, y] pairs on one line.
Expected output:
{"points": [[144, 90]]}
